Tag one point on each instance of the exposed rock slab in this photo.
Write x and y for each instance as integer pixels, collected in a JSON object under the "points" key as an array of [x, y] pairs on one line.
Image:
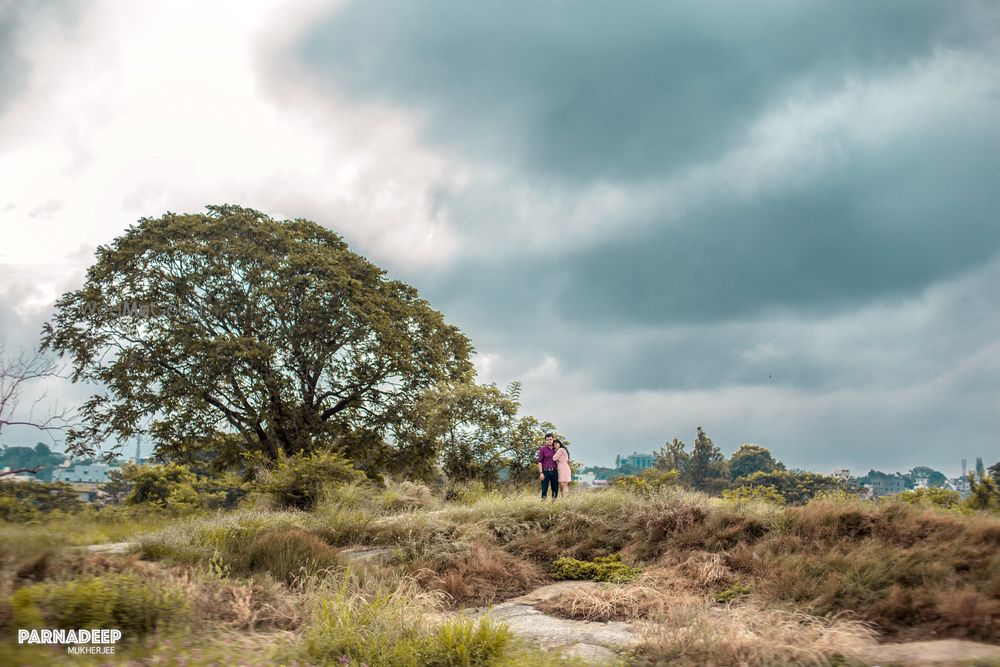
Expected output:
{"points": [[367, 554], [110, 548]]}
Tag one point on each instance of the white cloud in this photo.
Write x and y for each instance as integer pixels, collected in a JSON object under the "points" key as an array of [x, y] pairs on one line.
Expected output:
{"points": [[141, 108]]}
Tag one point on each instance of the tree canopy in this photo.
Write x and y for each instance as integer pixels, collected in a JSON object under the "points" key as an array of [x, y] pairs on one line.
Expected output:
{"points": [[232, 322]]}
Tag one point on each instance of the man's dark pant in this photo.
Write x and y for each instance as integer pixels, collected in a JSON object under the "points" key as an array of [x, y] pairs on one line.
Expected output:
{"points": [[551, 477]]}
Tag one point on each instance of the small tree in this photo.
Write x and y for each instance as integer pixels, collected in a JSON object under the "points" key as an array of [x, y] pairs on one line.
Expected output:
{"points": [[706, 467], [749, 459], [672, 456], [984, 493]]}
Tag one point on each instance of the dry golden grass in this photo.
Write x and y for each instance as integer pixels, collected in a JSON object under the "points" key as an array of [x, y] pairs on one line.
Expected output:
{"points": [[696, 632], [480, 574], [607, 602]]}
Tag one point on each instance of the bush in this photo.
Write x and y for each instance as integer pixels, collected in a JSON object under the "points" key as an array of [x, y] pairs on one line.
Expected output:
{"points": [[283, 553], [649, 480], [383, 626], [174, 487], [748, 494], [733, 592], [797, 487], [116, 600], [603, 568], [299, 481], [931, 496], [24, 501]]}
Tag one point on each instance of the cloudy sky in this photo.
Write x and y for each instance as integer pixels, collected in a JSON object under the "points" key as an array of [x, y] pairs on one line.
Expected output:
{"points": [[777, 220]]}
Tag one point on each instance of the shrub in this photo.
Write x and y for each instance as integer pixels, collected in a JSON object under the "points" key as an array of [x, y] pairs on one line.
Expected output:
{"points": [[300, 480], [467, 492], [380, 624], [482, 574], [945, 498], [748, 494], [25, 500], [649, 480], [115, 600], [283, 553], [174, 487], [405, 496], [603, 568], [797, 487], [733, 592]]}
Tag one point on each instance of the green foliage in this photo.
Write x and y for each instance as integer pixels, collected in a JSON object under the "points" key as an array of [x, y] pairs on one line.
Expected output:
{"points": [[749, 494], [733, 592], [271, 330], [173, 487], [706, 464], [285, 554], [477, 431], [647, 481], [602, 568], [984, 493], [672, 456], [931, 496], [39, 456], [300, 480], [382, 626], [796, 487], [749, 459], [26, 500], [115, 600]]}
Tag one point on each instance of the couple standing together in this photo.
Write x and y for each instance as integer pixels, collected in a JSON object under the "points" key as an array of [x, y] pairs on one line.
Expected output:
{"points": [[553, 467]]}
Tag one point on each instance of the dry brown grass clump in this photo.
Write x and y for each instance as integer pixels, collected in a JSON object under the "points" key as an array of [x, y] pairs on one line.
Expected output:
{"points": [[694, 632], [607, 602], [481, 574], [285, 554]]}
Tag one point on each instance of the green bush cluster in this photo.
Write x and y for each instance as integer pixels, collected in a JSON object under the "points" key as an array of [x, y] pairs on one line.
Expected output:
{"points": [[300, 481], [284, 553], [745, 494], [383, 627], [115, 600], [28, 500], [648, 481], [733, 592], [603, 568], [175, 488], [945, 498]]}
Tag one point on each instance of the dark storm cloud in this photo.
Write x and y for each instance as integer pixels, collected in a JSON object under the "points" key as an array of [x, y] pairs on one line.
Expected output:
{"points": [[598, 90], [879, 229]]}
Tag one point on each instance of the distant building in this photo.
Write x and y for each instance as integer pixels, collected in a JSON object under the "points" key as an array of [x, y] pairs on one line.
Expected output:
{"points": [[585, 478], [921, 482], [89, 473], [636, 460], [842, 473], [886, 486], [960, 484]]}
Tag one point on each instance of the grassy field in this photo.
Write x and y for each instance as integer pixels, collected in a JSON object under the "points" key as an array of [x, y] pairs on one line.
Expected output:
{"points": [[709, 581]]}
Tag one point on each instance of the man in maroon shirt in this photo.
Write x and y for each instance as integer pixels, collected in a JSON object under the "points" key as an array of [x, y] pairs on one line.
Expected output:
{"points": [[548, 473]]}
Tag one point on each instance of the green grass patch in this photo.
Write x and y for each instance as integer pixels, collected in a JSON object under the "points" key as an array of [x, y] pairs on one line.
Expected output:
{"points": [[603, 568]]}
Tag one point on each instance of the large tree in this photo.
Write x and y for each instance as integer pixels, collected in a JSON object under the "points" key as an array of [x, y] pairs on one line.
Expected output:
{"points": [[230, 322], [477, 431]]}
